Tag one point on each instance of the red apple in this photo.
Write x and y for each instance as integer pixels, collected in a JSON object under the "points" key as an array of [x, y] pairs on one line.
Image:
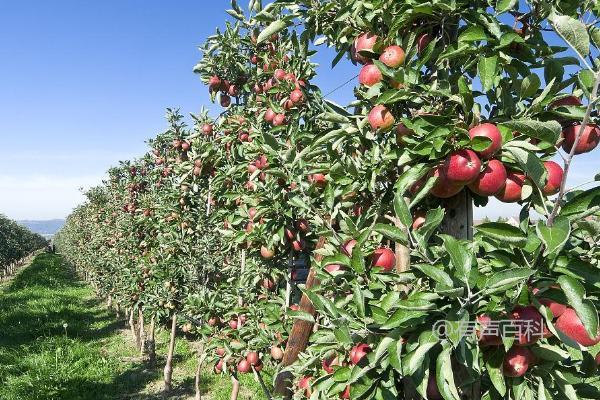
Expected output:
{"points": [[253, 358], [365, 41], [214, 83], [566, 101], [267, 253], [225, 100], [279, 74], [570, 325], [433, 392], [528, 321], [297, 96], [443, 188], [302, 225], [487, 339], [348, 246], [220, 351], [276, 353], [305, 384], [331, 268], [392, 56], [516, 361], [346, 393], [422, 41], [219, 367], [358, 352], [369, 75], [555, 176], [380, 118], [298, 245], [491, 180], [587, 142], [557, 308], [207, 129], [511, 192], [490, 131], [233, 323], [319, 180], [462, 166], [279, 120], [244, 366], [384, 258], [270, 115], [401, 132], [418, 219]]}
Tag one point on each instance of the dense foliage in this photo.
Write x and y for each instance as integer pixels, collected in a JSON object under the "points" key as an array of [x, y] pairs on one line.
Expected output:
{"points": [[16, 242], [455, 100]]}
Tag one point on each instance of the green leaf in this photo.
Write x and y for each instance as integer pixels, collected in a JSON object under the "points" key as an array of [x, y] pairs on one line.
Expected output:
{"points": [[554, 237], [413, 360], [401, 209], [548, 131], [493, 366], [472, 33], [445, 375], [359, 300], [273, 28], [436, 273], [530, 163], [486, 68], [502, 280], [575, 293], [393, 233], [503, 6], [530, 85], [502, 231], [460, 257], [573, 32], [342, 334], [581, 203]]}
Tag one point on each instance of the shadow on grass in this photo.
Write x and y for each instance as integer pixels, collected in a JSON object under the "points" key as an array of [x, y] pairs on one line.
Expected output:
{"points": [[51, 337]]}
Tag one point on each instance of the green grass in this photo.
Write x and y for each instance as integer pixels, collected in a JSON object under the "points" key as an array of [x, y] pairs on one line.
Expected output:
{"points": [[57, 341]]}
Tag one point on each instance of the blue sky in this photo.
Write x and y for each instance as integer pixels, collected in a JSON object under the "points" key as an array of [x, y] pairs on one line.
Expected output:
{"points": [[84, 84]]}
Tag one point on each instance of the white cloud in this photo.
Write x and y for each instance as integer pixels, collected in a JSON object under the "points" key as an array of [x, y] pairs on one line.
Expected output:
{"points": [[42, 196]]}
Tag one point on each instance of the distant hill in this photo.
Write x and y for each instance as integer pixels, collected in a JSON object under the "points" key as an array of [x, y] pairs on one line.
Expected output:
{"points": [[45, 228]]}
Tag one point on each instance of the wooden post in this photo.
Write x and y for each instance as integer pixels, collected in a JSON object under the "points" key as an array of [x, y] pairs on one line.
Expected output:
{"points": [[301, 331], [142, 332], [197, 379], [458, 221], [151, 343]]}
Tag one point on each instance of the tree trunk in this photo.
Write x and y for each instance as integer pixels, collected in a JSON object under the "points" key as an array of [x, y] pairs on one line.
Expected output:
{"points": [[197, 380], [151, 343], [169, 364], [142, 332], [132, 327], [299, 336], [235, 388]]}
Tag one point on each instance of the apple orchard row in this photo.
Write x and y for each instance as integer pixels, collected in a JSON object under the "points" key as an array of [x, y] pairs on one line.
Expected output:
{"points": [[211, 228]]}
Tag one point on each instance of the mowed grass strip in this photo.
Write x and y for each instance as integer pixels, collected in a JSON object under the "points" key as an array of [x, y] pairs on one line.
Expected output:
{"points": [[57, 341]]}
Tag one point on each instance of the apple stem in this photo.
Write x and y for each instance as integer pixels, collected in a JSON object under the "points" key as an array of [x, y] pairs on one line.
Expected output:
{"points": [[567, 163]]}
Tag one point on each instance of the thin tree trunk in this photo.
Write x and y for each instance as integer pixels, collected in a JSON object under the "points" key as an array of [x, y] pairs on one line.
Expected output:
{"points": [[134, 331], [151, 343], [235, 390], [197, 380], [142, 332], [169, 364], [109, 301]]}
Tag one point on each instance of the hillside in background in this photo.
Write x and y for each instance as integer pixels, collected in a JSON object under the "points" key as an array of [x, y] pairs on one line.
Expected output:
{"points": [[45, 228]]}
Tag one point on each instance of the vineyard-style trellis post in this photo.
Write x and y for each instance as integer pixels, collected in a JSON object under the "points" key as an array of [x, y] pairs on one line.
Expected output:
{"points": [[458, 222]]}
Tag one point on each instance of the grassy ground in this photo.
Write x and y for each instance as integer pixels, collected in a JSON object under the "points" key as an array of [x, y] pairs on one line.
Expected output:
{"points": [[57, 341]]}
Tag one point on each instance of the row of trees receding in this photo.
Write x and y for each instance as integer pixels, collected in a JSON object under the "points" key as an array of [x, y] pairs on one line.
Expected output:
{"points": [[16, 243]]}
